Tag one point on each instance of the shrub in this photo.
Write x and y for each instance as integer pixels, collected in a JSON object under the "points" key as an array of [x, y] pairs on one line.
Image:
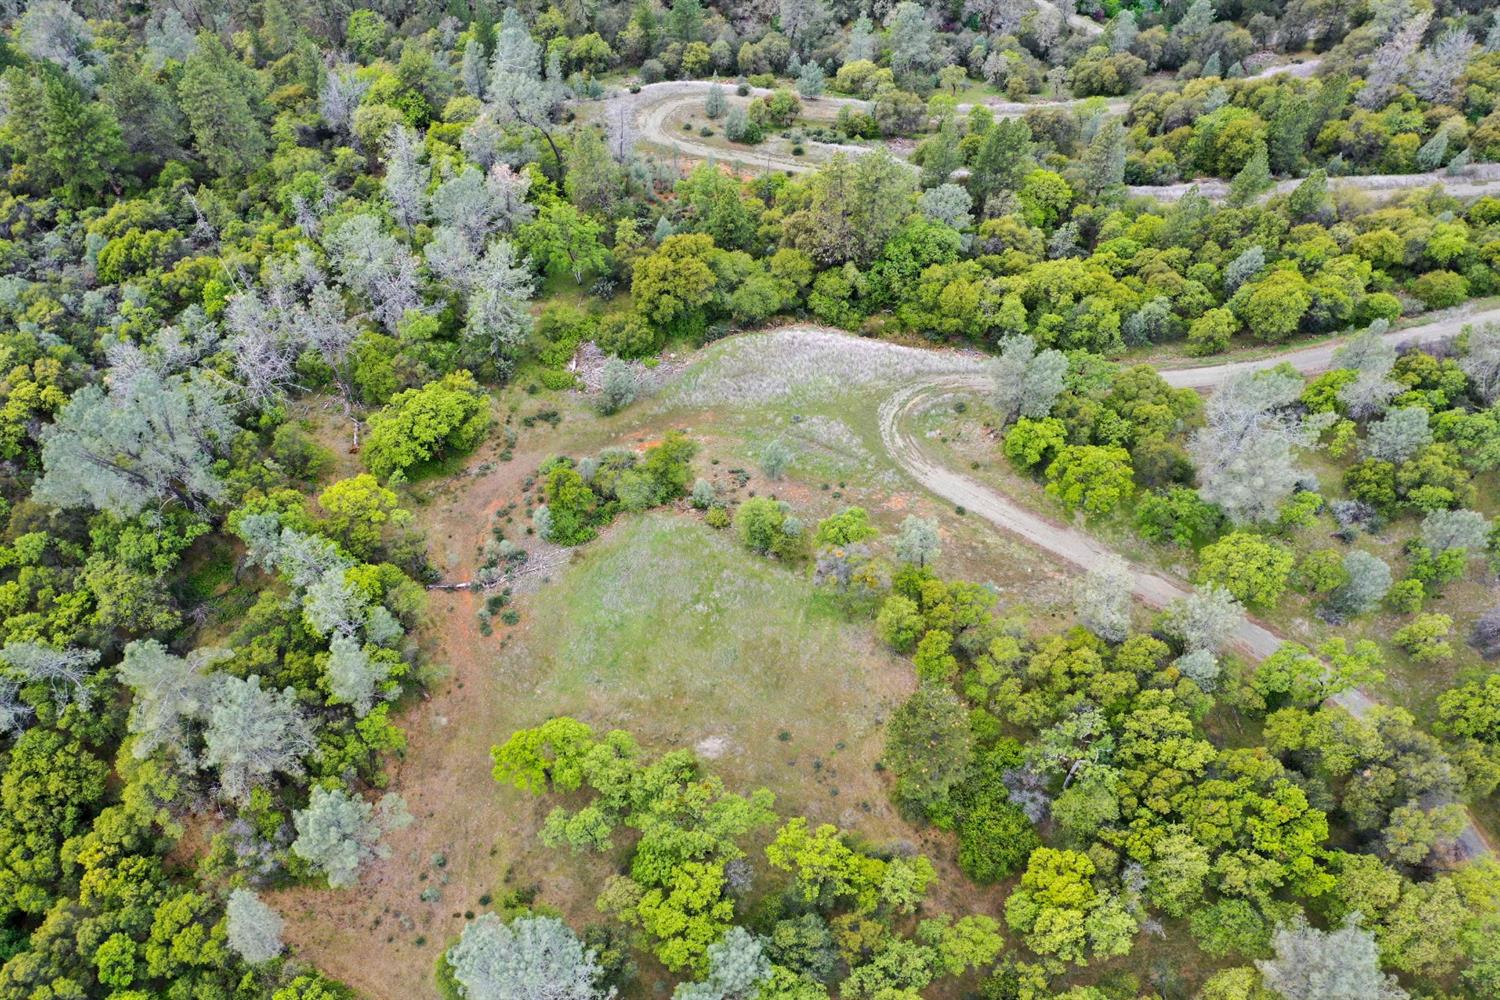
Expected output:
{"points": [[766, 526], [446, 416], [1210, 332], [1440, 289], [1251, 567], [1094, 478], [1426, 638], [626, 335], [1406, 596]]}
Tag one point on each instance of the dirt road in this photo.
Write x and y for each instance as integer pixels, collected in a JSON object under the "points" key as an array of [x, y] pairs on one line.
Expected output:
{"points": [[1251, 639], [655, 103]]}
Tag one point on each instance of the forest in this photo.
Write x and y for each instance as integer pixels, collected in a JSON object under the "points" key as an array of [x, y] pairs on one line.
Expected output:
{"points": [[773, 500]]}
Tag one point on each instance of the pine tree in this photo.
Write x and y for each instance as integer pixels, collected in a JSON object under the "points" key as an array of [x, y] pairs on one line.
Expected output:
{"points": [[146, 441], [220, 95], [810, 80], [81, 138], [253, 734], [406, 177], [1253, 179], [1123, 31], [1286, 136], [253, 928], [339, 833], [526, 959], [1104, 161]]}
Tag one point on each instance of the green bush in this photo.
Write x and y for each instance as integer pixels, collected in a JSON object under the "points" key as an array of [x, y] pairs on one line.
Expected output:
{"points": [[441, 418], [1440, 289]]}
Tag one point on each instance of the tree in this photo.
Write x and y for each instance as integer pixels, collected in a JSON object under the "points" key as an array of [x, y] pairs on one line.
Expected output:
{"points": [[359, 510], [1399, 435], [1092, 478], [1341, 964], [1481, 361], [810, 81], [1104, 160], [339, 97], [911, 38], [51, 788], [737, 965], [767, 527], [928, 747], [1425, 638], [254, 928], [81, 141], [715, 104], [854, 207], [1367, 580], [1058, 911], [374, 264], [353, 673], [849, 526], [1102, 599], [1443, 530], [406, 177], [1252, 567], [169, 692], [530, 957], [1413, 833], [147, 440], [219, 97], [1246, 452], [673, 286], [65, 672], [52, 31], [1253, 180], [1205, 619], [446, 416], [918, 542], [1436, 70], [1003, 159], [1026, 382], [338, 833], [252, 734], [499, 319], [1388, 64]]}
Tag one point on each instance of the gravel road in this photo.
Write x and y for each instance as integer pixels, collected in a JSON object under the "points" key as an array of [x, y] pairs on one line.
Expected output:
{"points": [[1081, 549]]}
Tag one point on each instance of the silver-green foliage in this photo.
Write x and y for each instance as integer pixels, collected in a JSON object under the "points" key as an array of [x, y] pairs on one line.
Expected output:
{"points": [[530, 958], [253, 734], [1025, 381], [1342, 964], [1102, 599], [1455, 529], [64, 671], [918, 542], [1399, 435], [168, 692], [737, 965], [151, 440], [339, 833], [254, 928]]}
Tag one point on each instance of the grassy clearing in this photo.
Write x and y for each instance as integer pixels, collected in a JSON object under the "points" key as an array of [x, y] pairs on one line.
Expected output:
{"points": [[662, 627]]}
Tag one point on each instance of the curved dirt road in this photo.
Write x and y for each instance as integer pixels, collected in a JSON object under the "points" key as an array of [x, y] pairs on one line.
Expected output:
{"points": [[649, 110], [656, 102], [1082, 549]]}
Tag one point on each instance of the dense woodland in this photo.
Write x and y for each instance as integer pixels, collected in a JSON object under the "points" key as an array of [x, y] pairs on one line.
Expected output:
{"points": [[216, 212]]}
